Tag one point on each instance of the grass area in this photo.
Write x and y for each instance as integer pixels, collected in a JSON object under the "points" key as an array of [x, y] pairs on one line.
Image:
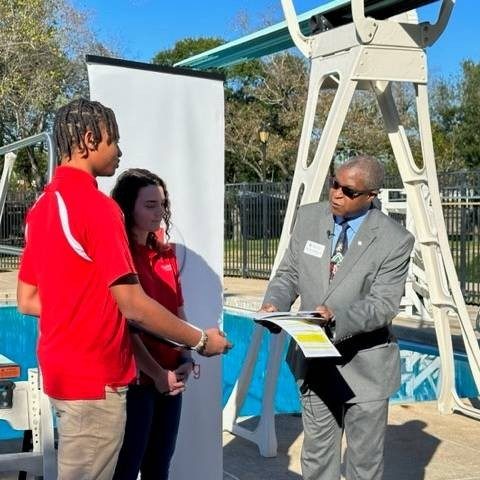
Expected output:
{"points": [[248, 258], [253, 247], [251, 258], [469, 253]]}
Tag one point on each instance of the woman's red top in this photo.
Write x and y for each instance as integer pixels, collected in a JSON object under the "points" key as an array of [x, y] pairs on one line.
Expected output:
{"points": [[159, 276]]}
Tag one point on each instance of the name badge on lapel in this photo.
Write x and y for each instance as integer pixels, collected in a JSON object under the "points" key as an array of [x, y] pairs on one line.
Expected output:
{"points": [[313, 248]]}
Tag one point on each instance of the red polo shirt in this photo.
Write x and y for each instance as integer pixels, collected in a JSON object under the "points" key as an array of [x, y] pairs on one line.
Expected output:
{"points": [[76, 247], [159, 276]]}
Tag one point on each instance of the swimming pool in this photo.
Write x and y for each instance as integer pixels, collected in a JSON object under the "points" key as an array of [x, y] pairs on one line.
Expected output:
{"points": [[420, 370], [420, 365]]}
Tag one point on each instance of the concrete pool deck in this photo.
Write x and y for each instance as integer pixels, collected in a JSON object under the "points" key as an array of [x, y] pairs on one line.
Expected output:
{"points": [[421, 443]]}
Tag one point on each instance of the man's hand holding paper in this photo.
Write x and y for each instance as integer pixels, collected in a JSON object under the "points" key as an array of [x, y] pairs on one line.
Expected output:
{"points": [[304, 327]]}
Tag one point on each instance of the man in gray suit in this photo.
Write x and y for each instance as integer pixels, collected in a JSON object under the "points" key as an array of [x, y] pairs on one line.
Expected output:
{"points": [[348, 261]]}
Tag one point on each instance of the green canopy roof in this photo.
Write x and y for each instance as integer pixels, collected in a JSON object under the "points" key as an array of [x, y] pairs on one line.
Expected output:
{"points": [[277, 37]]}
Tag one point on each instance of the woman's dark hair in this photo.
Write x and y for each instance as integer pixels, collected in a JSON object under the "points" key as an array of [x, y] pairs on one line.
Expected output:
{"points": [[74, 119], [125, 193]]}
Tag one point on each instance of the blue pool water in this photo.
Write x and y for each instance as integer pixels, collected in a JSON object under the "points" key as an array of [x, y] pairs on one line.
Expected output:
{"points": [[420, 365]]}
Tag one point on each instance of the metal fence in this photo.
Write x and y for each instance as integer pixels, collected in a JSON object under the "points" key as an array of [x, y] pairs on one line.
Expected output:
{"points": [[12, 226], [254, 216]]}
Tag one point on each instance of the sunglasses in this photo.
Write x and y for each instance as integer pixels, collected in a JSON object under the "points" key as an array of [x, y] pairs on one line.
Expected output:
{"points": [[347, 191]]}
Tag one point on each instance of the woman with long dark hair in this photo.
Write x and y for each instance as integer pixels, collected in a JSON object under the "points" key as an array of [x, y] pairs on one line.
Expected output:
{"points": [[154, 401]]}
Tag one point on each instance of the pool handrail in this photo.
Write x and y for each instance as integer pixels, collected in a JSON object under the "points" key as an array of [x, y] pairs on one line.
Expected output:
{"points": [[10, 157], [43, 137]]}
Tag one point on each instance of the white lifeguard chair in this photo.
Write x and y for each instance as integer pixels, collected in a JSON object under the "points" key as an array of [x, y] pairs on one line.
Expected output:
{"points": [[362, 45]]}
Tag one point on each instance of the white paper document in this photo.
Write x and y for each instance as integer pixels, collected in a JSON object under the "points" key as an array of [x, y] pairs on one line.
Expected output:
{"points": [[303, 327]]}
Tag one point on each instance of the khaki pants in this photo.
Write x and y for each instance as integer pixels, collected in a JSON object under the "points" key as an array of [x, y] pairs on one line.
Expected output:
{"points": [[90, 435]]}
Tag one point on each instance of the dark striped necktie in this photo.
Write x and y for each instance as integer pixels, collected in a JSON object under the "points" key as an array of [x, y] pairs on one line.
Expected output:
{"points": [[340, 249]]}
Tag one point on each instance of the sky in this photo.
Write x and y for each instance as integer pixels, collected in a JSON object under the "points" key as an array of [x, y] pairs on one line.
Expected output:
{"points": [[140, 28]]}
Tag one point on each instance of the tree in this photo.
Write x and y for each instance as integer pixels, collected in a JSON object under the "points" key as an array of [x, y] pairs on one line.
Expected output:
{"points": [[41, 66], [188, 47], [455, 105], [273, 91], [469, 114], [281, 93], [445, 124]]}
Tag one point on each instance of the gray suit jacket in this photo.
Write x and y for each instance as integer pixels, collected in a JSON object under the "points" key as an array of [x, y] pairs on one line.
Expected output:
{"points": [[364, 295]]}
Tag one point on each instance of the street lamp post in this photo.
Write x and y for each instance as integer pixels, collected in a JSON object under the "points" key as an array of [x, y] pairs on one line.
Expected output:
{"points": [[263, 134]]}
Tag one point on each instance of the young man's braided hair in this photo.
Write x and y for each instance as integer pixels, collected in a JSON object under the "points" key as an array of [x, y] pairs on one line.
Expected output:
{"points": [[74, 119]]}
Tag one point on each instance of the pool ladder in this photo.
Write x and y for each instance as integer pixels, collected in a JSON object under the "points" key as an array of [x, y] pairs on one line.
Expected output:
{"points": [[31, 410]]}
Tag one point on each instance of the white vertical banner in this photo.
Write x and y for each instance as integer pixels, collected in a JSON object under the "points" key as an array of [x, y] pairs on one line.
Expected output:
{"points": [[173, 124]]}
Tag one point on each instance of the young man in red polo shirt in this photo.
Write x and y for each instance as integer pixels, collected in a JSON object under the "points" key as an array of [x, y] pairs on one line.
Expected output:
{"points": [[77, 274]]}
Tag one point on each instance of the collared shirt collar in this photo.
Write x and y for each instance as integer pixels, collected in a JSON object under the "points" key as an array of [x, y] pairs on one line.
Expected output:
{"points": [[353, 222], [74, 174]]}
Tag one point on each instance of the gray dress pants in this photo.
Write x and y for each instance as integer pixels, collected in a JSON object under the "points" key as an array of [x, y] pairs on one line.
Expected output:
{"points": [[364, 425]]}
